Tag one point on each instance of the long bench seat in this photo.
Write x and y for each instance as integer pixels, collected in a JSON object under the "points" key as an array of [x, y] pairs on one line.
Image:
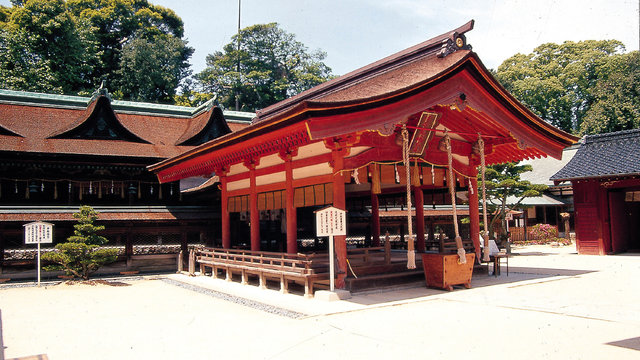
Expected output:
{"points": [[266, 265]]}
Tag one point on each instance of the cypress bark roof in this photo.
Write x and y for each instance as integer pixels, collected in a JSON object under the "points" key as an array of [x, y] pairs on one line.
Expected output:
{"points": [[60, 124]]}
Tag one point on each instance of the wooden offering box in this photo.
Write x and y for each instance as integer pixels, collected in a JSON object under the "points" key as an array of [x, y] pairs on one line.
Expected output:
{"points": [[443, 271]]}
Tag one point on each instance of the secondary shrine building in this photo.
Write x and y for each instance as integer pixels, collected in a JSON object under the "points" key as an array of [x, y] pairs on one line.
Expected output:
{"points": [[343, 143], [605, 174], [59, 152]]}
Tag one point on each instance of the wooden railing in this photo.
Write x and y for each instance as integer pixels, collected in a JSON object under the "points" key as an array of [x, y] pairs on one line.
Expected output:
{"points": [[281, 266]]}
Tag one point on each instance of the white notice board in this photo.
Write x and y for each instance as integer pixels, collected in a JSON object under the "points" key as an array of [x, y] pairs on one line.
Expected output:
{"points": [[38, 233], [331, 221]]}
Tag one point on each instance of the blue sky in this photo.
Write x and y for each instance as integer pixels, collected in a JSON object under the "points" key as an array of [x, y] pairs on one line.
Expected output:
{"points": [[355, 33]]}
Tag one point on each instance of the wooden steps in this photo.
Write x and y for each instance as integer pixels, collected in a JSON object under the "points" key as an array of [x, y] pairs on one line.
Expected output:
{"points": [[373, 281]]}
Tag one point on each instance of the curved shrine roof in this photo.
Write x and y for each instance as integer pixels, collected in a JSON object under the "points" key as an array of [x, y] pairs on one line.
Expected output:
{"points": [[44, 123], [441, 74]]}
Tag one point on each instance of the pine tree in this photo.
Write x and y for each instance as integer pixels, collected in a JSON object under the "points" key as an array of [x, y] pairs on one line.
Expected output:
{"points": [[81, 254]]}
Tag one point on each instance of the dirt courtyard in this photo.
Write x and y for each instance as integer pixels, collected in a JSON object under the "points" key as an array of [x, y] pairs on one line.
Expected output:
{"points": [[554, 304]]}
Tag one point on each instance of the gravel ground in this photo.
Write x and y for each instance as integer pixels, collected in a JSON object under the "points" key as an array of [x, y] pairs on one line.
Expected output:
{"points": [[553, 305]]}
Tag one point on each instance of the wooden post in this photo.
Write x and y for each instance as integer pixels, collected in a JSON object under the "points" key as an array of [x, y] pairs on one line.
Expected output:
{"points": [[339, 201], [290, 211], [226, 226], [474, 215], [387, 249], [192, 262], [419, 204], [375, 219], [253, 208], [184, 246], [128, 246], [180, 262], [1, 251]]}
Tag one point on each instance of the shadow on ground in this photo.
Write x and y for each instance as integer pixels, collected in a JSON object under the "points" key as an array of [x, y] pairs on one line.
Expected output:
{"points": [[632, 343], [480, 279]]}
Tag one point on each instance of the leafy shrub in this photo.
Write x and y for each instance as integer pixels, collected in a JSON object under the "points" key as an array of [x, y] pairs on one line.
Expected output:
{"points": [[82, 254], [543, 232]]}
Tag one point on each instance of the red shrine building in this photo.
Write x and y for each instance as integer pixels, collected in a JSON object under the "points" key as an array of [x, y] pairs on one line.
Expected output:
{"points": [[59, 152], [605, 174], [343, 143]]}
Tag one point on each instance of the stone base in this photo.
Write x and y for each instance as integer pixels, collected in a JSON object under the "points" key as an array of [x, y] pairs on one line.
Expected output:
{"points": [[336, 295]]}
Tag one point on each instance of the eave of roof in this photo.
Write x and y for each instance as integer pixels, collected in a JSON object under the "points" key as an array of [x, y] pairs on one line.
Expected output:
{"points": [[106, 213], [604, 155]]}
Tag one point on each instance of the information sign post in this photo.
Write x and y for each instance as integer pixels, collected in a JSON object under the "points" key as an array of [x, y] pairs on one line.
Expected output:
{"points": [[330, 222], [38, 233]]}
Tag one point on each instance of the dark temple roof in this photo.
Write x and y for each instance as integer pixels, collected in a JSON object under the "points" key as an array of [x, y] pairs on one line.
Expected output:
{"points": [[616, 153]]}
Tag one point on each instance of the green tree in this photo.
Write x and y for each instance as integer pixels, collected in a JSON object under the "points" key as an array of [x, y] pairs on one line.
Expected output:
{"points": [[557, 81], [506, 191], [72, 46], [128, 30], [616, 104], [147, 73], [82, 254], [270, 65], [44, 48]]}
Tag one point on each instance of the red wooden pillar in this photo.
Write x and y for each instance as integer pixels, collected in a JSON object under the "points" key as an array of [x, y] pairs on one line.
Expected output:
{"points": [[290, 209], [226, 225], [253, 208], [375, 219], [474, 215], [419, 204], [339, 202]]}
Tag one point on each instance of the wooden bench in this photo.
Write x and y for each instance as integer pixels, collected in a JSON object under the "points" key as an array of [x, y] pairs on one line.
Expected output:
{"points": [[266, 265]]}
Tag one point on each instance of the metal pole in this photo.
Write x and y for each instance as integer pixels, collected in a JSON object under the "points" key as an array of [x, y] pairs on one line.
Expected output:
{"points": [[38, 264], [1, 341], [331, 269], [237, 95]]}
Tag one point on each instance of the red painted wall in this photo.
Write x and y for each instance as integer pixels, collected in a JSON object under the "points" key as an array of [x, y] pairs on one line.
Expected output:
{"points": [[589, 221]]}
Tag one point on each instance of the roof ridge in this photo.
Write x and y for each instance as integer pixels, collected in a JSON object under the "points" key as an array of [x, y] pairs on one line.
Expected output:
{"points": [[46, 99], [442, 45], [616, 135]]}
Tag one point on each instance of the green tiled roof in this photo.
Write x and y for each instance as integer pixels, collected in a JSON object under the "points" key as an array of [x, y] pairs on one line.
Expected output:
{"points": [[68, 101]]}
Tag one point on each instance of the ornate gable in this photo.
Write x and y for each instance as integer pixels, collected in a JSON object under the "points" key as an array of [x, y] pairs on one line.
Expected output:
{"points": [[215, 127], [101, 124]]}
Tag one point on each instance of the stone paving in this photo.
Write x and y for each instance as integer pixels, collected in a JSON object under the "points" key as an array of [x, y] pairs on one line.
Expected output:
{"points": [[554, 304]]}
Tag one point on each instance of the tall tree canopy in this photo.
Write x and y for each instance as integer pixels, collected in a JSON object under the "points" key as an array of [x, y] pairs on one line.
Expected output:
{"points": [[617, 97], [44, 48], [269, 66], [71, 46], [560, 82]]}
